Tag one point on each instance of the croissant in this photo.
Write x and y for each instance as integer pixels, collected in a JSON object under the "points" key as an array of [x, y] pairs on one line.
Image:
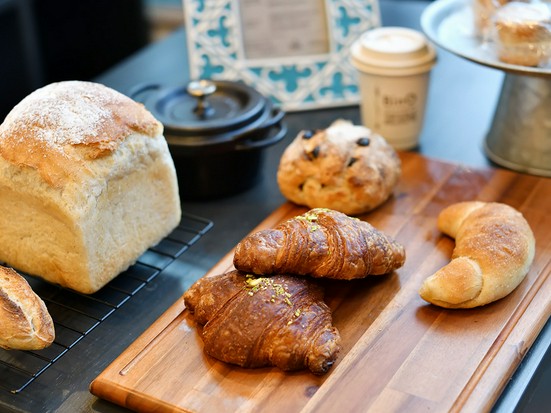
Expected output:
{"points": [[253, 321], [494, 248], [320, 243]]}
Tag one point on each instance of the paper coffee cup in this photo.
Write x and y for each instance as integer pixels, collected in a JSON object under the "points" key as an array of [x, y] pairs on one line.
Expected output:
{"points": [[394, 65]]}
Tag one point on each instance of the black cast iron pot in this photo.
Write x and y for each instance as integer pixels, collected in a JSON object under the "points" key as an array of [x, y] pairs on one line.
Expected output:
{"points": [[216, 132]]}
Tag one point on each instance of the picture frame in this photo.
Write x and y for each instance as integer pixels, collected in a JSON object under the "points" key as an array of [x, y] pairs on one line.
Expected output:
{"points": [[216, 34]]}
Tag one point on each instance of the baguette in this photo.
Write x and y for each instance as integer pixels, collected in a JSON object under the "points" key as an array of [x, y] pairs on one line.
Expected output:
{"points": [[494, 249], [25, 321]]}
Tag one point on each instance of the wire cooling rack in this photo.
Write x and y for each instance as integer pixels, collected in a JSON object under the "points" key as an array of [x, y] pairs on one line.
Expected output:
{"points": [[76, 315]]}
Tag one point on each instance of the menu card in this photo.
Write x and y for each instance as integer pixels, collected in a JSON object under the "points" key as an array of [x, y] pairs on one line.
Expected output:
{"points": [[284, 28]]}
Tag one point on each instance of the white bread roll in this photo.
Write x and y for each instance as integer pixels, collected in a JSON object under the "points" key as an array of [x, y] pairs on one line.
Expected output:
{"points": [[494, 248], [87, 184], [523, 33], [25, 321]]}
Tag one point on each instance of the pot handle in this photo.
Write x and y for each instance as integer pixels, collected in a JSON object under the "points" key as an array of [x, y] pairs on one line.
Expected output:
{"points": [[142, 89], [249, 142]]}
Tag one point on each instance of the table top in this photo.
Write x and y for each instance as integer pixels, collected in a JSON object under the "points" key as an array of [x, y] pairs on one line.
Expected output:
{"points": [[461, 102]]}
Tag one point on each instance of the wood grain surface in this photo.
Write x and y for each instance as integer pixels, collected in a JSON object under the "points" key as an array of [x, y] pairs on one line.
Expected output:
{"points": [[399, 353]]}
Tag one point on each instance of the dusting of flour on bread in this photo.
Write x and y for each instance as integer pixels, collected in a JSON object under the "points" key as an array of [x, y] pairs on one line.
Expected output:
{"points": [[66, 124]]}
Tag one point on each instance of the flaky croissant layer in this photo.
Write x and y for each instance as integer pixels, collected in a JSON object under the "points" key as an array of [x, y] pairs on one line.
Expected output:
{"points": [[253, 321], [320, 243]]}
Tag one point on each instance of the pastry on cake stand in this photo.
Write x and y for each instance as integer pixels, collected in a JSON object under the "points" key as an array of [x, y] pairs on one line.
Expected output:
{"points": [[520, 134]]}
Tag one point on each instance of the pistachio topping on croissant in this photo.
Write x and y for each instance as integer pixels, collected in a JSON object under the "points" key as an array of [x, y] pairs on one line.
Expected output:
{"points": [[254, 321]]}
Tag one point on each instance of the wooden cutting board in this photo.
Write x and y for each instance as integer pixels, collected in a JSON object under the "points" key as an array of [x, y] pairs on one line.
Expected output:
{"points": [[399, 353]]}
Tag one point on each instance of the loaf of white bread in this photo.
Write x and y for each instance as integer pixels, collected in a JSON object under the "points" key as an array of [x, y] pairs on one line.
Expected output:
{"points": [[25, 323], [87, 184], [494, 248]]}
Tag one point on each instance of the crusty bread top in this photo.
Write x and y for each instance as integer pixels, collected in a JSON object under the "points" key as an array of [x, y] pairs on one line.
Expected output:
{"points": [[57, 129]]}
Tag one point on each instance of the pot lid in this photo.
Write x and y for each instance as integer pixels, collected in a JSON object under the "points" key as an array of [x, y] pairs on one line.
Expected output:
{"points": [[205, 108]]}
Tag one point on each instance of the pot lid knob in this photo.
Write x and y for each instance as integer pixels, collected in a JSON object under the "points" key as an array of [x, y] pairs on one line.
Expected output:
{"points": [[201, 89]]}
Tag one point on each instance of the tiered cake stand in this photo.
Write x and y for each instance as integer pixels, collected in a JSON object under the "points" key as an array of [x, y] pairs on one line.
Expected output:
{"points": [[520, 134]]}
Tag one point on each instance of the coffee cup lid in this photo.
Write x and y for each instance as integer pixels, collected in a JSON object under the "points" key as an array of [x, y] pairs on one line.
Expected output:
{"points": [[393, 51]]}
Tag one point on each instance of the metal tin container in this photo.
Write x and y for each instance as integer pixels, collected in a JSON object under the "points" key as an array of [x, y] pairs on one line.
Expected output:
{"points": [[520, 135]]}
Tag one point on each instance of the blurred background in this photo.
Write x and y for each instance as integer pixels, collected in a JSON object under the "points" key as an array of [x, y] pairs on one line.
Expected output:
{"points": [[44, 41]]}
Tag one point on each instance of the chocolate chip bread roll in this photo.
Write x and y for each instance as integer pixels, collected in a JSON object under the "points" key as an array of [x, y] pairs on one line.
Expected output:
{"points": [[345, 167]]}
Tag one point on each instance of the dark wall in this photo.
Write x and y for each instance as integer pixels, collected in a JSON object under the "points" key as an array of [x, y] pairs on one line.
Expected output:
{"points": [[83, 38], [44, 41], [14, 79]]}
